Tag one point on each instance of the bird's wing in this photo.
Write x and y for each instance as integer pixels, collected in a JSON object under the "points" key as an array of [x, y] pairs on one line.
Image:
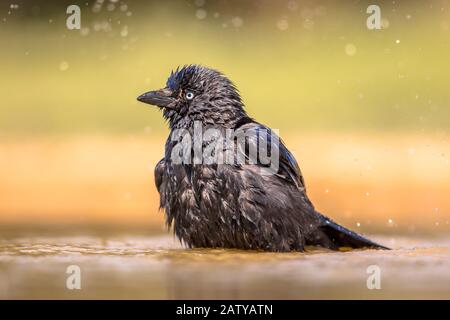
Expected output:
{"points": [[159, 172], [288, 169], [316, 228]]}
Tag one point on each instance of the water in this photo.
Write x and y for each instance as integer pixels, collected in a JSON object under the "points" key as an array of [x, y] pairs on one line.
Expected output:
{"points": [[158, 267]]}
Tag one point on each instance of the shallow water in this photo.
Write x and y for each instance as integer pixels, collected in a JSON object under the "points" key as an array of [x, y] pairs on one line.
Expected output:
{"points": [[158, 267]]}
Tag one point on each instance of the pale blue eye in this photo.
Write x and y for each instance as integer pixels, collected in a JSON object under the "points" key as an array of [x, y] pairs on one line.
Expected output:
{"points": [[189, 95]]}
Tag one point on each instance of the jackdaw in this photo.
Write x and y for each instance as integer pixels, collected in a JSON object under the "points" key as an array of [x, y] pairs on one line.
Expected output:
{"points": [[249, 204]]}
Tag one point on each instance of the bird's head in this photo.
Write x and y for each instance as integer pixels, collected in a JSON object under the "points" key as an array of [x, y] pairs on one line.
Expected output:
{"points": [[196, 93]]}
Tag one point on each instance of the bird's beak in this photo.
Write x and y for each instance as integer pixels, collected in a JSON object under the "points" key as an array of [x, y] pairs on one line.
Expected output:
{"points": [[161, 98]]}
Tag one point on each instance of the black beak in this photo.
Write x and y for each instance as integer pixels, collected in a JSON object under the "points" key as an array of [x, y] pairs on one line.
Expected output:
{"points": [[161, 98]]}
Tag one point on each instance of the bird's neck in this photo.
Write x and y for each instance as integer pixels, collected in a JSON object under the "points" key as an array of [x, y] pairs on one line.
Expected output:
{"points": [[225, 119]]}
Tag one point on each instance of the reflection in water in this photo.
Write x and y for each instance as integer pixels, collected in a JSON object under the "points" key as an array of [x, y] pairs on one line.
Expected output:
{"points": [[159, 268]]}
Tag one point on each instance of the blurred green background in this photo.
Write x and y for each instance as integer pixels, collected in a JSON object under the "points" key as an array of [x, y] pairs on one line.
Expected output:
{"points": [[303, 65]]}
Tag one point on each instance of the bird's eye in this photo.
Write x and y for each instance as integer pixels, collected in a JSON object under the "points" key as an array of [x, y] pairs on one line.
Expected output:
{"points": [[189, 95]]}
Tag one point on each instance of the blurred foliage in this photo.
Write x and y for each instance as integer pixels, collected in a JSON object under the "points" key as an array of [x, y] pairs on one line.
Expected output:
{"points": [[299, 65]]}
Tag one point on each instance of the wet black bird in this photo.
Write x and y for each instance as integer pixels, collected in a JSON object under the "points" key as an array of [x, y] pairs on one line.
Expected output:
{"points": [[233, 205]]}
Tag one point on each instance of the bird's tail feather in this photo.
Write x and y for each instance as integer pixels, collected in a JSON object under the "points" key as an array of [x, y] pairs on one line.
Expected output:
{"points": [[333, 236]]}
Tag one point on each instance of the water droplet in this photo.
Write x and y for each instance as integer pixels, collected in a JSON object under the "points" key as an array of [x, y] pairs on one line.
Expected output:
{"points": [[200, 3], [63, 66], [282, 24], [85, 31], [292, 5], [124, 31], [237, 22], [201, 14], [350, 49]]}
